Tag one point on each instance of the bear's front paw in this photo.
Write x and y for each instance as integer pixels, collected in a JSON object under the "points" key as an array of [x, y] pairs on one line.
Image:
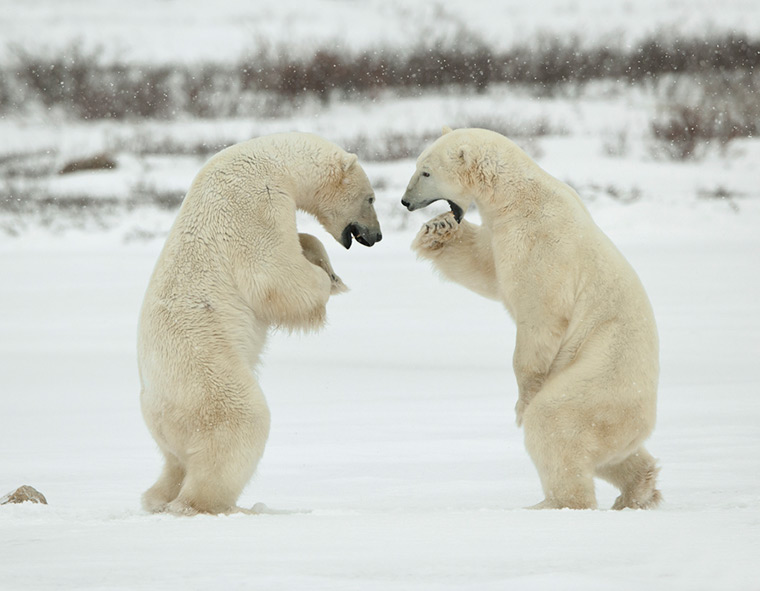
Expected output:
{"points": [[336, 285], [315, 253], [435, 233]]}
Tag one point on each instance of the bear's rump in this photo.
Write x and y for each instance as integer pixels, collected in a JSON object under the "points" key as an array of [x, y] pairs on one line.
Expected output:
{"points": [[583, 402]]}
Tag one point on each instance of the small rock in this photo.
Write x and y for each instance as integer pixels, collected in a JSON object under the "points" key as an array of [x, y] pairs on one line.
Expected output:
{"points": [[24, 494]]}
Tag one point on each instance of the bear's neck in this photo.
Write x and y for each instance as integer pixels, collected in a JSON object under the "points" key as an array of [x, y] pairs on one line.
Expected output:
{"points": [[534, 207], [511, 203], [526, 195], [309, 188], [309, 197]]}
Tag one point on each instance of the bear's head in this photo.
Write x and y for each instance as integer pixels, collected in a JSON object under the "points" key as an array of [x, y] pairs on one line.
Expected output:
{"points": [[348, 211], [453, 168]]}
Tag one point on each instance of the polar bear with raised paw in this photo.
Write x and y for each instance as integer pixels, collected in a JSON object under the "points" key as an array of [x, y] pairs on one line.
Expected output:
{"points": [[586, 355], [233, 266]]}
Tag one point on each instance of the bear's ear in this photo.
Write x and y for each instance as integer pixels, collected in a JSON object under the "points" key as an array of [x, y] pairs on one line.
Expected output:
{"points": [[446, 129], [348, 161]]}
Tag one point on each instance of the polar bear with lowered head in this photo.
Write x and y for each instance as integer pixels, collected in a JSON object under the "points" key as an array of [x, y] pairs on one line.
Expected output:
{"points": [[586, 355], [233, 266]]}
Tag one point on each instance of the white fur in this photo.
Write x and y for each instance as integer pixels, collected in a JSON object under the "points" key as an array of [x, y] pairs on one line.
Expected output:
{"points": [[232, 267], [586, 356]]}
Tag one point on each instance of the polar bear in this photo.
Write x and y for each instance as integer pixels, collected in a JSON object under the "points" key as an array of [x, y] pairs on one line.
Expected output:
{"points": [[232, 267], [586, 354]]}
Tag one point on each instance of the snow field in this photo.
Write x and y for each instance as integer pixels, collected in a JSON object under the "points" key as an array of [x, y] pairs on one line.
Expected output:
{"points": [[393, 438]]}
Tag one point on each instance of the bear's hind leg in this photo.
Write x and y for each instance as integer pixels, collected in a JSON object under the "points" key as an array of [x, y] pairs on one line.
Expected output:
{"points": [[208, 491], [636, 478], [224, 463], [563, 465], [166, 488], [566, 486]]}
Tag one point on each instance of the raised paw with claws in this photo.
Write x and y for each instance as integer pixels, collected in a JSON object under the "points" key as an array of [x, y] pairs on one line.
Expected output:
{"points": [[436, 233]]}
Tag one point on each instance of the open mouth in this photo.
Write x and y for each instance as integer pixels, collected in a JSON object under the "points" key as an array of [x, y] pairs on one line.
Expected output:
{"points": [[360, 239], [361, 234], [456, 210], [347, 236]]}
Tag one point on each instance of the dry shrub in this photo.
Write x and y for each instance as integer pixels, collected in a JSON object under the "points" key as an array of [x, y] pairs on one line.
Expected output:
{"points": [[81, 83], [707, 111]]}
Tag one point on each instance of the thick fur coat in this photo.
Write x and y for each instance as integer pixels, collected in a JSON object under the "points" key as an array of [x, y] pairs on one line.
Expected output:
{"points": [[233, 266], [586, 355]]}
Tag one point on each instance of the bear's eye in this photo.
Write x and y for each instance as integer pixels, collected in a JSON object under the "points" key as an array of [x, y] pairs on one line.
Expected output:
{"points": [[371, 200], [425, 174]]}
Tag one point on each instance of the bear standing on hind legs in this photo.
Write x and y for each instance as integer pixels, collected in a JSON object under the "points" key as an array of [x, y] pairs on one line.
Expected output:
{"points": [[586, 355], [233, 266]]}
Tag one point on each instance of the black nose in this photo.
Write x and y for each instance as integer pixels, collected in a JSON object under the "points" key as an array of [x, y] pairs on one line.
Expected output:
{"points": [[405, 203]]}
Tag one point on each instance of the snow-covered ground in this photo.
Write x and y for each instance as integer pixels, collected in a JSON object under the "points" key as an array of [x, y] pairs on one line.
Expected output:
{"points": [[393, 437], [393, 456]]}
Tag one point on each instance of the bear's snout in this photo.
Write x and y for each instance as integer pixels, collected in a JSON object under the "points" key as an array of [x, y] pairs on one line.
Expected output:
{"points": [[363, 235], [409, 205], [414, 202]]}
